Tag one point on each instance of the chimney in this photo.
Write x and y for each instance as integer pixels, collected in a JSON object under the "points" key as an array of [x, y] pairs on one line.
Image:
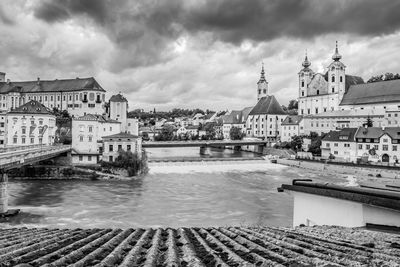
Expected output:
{"points": [[38, 80], [2, 77], [383, 128], [8, 81]]}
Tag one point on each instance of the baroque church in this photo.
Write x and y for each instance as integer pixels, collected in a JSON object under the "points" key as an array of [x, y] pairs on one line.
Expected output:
{"points": [[324, 92]]}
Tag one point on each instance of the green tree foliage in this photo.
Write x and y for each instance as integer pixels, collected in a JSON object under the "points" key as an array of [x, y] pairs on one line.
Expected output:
{"points": [[388, 76], [166, 134], [236, 133]]}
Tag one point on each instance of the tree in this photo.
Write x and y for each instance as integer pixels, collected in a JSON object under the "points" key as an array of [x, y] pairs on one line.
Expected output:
{"points": [[166, 134], [315, 146], [293, 104], [369, 122], [296, 143], [129, 161], [236, 133], [387, 77]]}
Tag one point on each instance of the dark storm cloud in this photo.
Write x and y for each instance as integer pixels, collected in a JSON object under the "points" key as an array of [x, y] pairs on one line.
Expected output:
{"points": [[59, 10], [237, 20]]}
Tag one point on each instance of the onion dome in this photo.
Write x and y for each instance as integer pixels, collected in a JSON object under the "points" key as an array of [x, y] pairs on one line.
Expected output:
{"points": [[262, 77], [306, 63], [336, 56]]}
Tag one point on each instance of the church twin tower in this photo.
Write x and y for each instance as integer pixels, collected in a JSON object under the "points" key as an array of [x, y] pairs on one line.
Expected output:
{"points": [[317, 92]]}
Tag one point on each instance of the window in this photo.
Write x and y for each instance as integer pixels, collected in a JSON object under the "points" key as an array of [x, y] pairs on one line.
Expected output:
{"points": [[308, 111], [333, 78], [335, 144], [110, 158], [302, 83], [110, 128], [302, 111], [385, 140], [81, 138], [335, 152], [346, 145], [119, 147], [394, 148], [23, 130], [110, 148], [389, 115], [324, 109], [90, 129], [45, 98], [328, 145], [90, 138], [70, 97], [367, 147], [40, 122], [128, 147], [89, 158], [317, 92], [40, 140], [316, 110], [341, 78], [51, 98], [32, 140], [15, 140], [333, 89], [80, 158], [64, 98], [376, 147], [360, 146], [385, 147], [58, 98]]}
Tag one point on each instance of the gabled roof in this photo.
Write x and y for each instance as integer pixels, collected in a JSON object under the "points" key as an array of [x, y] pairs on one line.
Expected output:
{"points": [[267, 105], [377, 132], [292, 120], [32, 107], [118, 98], [371, 93], [120, 136], [344, 135], [209, 115], [65, 85], [235, 117], [95, 117]]}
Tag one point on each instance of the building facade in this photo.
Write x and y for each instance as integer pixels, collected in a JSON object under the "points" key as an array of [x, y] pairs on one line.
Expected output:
{"points": [[120, 141], [292, 125], [87, 133], [340, 145], [30, 124], [78, 96]]}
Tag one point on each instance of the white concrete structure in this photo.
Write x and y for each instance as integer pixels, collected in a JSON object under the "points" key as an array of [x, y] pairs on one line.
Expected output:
{"points": [[345, 206], [87, 133], [78, 96], [120, 141], [30, 124]]}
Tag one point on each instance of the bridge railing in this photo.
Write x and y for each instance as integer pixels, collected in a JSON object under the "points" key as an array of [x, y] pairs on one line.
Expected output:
{"points": [[20, 156]]}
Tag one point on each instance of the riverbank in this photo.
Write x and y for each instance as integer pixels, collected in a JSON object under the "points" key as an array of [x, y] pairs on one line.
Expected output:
{"points": [[222, 246]]}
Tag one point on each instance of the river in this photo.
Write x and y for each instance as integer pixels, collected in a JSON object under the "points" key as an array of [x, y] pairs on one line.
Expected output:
{"points": [[171, 194]]}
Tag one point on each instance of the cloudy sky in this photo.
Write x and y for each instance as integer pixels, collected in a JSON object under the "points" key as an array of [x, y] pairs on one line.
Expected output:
{"points": [[195, 53]]}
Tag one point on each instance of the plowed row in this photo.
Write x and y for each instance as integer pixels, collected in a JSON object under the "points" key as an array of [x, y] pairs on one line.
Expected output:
{"points": [[231, 246]]}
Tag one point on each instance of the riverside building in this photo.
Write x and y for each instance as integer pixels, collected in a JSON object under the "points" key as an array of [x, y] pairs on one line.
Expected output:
{"points": [[30, 124], [78, 96]]}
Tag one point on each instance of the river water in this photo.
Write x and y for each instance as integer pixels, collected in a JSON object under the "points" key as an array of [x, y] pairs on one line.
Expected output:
{"points": [[171, 194]]}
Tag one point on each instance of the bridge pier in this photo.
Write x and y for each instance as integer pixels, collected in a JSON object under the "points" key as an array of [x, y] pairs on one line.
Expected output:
{"points": [[3, 193], [205, 150]]}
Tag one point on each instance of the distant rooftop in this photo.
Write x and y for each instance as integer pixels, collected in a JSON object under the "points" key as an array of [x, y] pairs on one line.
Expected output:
{"points": [[267, 105], [95, 117], [120, 136], [32, 107], [118, 98]]}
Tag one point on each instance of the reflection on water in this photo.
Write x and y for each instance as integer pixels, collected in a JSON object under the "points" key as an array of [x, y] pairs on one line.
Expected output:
{"points": [[161, 199]]}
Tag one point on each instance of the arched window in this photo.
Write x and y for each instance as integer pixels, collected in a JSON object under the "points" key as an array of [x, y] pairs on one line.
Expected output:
{"points": [[317, 92], [302, 83], [341, 78], [333, 78]]}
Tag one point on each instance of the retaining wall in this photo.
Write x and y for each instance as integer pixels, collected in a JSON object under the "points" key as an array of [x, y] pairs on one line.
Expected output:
{"points": [[319, 166]]}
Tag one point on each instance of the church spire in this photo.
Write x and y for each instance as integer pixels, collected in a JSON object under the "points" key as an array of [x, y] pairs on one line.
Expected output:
{"points": [[336, 56], [262, 77], [306, 63]]}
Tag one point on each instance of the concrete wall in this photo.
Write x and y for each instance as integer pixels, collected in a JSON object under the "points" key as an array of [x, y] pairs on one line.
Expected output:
{"points": [[353, 170]]}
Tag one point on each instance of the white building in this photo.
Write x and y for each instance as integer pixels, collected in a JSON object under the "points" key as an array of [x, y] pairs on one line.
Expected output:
{"points": [[339, 119], [119, 109], [262, 85], [3, 128], [293, 125], [87, 133], [78, 96], [340, 144], [236, 118], [265, 119], [120, 141], [30, 124]]}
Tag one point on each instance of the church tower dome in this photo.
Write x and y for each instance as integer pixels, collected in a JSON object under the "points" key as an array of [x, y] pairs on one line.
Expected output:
{"points": [[306, 63], [336, 56], [262, 85]]}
